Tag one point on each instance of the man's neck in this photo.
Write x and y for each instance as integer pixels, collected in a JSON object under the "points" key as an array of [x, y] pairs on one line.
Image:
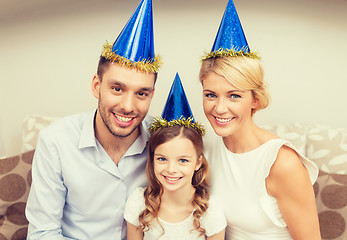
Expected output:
{"points": [[115, 146]]}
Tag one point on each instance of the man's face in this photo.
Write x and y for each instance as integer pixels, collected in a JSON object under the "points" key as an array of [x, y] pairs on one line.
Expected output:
{"points": [[124, 98]]}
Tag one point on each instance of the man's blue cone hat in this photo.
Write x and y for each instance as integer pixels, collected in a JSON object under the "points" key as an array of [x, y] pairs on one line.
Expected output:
{"points": [[134, 47]]}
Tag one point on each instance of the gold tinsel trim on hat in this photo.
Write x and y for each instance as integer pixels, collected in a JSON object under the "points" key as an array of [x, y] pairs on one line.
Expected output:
{"points": [[160, 122], [144, 65], [230, 53]]}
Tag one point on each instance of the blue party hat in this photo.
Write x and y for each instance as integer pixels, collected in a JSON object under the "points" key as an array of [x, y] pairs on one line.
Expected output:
{"points": [[230, 39], [134, 46], [177, 110], [177, 105]]}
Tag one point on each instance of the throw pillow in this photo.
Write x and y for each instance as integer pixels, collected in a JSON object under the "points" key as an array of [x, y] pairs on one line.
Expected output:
{"points": [[331, 199], [15, 181], [31, 127], [327, 147], [294, 133]]}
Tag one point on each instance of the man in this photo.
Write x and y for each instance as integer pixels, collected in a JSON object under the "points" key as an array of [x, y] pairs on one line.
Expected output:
{"points": [[87, 164]]}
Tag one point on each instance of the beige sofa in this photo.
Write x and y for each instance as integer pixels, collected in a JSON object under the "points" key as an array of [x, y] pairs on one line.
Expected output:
{"points": [[324, 145]]}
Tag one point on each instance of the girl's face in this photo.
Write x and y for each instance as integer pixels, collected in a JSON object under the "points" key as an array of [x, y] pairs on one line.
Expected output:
{"points": [[175, 162], [227, 108]]}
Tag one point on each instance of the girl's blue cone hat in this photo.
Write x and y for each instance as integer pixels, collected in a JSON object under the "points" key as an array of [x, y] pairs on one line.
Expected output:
{"points": [[230, 39], [177, 110], [134, 47], [177, 105]]}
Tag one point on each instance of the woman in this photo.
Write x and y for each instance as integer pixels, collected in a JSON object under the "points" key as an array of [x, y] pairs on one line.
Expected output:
{"points": [[264, 183]]}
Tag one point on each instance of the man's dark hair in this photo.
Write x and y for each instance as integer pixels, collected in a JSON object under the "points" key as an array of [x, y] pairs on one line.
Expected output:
{"points": [[103, 65]]}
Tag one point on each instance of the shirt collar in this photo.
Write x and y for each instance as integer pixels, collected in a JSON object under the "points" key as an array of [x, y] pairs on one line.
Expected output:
{"points": [[87, 138], [140, 144]]}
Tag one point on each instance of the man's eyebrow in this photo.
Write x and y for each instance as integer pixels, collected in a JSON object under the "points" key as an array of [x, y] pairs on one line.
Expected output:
{"points": [[147, 89], [115, 82], [120, 84]]}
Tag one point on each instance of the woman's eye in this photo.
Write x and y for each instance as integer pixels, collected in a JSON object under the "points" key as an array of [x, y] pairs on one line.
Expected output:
{"points": [[210, 95], [235, 96]]}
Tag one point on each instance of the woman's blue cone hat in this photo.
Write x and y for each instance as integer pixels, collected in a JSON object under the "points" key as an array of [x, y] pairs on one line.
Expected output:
{"points": [[230, 39], [230, 34], [134, 47]]}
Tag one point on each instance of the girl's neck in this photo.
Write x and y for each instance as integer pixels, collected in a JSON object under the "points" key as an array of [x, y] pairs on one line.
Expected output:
{"points": [[176, 206], [183, 196]]}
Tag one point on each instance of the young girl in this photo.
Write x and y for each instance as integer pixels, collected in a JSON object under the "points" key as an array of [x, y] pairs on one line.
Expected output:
{"points": [[177, 203]]}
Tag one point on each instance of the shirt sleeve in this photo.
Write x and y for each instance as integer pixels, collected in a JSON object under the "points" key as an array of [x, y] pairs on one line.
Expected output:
{"points": [[268, 203], [46, 199], [213, 221], [134, 206]]}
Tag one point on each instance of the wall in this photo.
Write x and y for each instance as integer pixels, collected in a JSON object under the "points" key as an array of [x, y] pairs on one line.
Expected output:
{"points": [[49, 52]]}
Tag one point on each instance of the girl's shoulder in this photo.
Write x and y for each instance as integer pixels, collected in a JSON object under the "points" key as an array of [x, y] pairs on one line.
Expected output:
{"points": [[137, 196], [134, 206], [138, 191], [213, 220]]}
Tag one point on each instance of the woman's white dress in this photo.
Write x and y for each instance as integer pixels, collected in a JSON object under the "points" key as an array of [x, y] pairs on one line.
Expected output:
{"points": [[238, 180]]}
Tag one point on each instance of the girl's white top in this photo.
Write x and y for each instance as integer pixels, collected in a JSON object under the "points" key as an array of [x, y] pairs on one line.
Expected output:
{"points": [[238, 180], [213, 221]]}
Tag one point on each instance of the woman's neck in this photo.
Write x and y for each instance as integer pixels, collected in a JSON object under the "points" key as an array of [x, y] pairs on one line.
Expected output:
{"points": [[245, 139]]}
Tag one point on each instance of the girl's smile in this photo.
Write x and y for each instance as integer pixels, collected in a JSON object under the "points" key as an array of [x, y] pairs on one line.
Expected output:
{"points": [[175, 162]]}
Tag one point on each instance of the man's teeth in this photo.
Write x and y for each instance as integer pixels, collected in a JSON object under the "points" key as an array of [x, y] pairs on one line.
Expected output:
{"points": [[224, 119], [123, 119]]}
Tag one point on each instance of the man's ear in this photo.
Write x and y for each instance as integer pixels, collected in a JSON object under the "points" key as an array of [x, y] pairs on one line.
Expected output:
{"points": [[152, 93], [96, 86], [198, 163]]}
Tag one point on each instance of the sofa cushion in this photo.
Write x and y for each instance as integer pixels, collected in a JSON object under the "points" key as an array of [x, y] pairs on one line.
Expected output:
{"points": [[15, 181], [327, 147], [294, 133], [331, 199], [32, 125]]}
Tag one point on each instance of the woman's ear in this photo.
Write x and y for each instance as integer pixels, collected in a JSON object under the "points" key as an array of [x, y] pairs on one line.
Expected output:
{"points": [[198, 163], [255, 103], [96, 86]]}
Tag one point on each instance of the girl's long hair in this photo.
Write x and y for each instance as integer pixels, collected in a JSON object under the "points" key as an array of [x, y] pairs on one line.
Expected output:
{"points": [[200, 179]]}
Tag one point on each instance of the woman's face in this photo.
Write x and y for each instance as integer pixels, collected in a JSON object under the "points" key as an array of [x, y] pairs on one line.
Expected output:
{"points": [[227, 108]]}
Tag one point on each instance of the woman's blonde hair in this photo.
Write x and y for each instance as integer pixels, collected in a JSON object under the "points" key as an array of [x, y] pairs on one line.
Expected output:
{"points": [[154, 190], [244, 73]]}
